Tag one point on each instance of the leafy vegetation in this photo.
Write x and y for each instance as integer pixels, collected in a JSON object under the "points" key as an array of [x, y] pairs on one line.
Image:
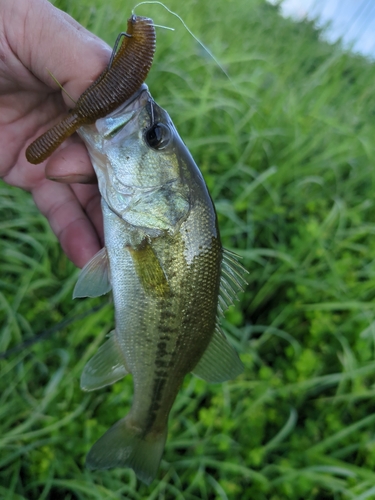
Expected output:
{"points": [[286, 147]]}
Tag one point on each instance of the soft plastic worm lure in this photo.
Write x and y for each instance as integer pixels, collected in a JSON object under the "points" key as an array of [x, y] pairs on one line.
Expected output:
{"points": [[126, 72]]}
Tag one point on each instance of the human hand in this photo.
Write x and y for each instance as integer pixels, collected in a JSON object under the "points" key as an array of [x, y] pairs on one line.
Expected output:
{"points": [[35, 39]]}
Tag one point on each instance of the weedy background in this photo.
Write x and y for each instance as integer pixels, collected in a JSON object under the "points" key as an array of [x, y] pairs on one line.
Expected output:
{"points": [[287, 150]]}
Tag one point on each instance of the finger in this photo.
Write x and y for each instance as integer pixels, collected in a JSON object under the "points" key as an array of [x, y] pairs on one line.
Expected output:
{"points": [[69, 222], [70, 52], [71, 164], [90, 200], [83, 58]]}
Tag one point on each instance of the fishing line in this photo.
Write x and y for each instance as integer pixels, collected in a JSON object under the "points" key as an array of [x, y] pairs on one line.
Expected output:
{"points": [[148, 2], [164, 27], [61, 87], [49, 332]]}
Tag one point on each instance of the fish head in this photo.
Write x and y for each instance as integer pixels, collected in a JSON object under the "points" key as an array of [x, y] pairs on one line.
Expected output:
{"points": [[139, 160]]}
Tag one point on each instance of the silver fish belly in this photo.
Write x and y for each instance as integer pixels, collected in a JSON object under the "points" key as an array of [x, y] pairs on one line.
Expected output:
{"points": [[169, 275]]}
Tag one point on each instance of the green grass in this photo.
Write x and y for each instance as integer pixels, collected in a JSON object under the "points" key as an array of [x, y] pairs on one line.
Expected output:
{"points": [[287, 151]]}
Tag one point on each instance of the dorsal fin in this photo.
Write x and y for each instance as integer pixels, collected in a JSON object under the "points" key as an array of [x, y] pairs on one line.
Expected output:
{"points": [[232, 280]]}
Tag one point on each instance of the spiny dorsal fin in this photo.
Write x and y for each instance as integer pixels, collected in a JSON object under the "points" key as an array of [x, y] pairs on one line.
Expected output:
{"points": [[232, 280], [93, 280], [105, 367], [220, 362]]}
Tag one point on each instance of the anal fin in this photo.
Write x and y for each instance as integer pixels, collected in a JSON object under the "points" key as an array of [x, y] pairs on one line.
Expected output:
{"points": [[105, 367], [93, 280], [220, 362]]}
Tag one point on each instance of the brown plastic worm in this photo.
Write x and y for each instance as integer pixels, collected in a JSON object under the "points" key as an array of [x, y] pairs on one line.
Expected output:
{"points": [[126, 72]]}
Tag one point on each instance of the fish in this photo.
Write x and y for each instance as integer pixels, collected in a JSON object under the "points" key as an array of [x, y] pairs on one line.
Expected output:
{"points": [[170, 278]]}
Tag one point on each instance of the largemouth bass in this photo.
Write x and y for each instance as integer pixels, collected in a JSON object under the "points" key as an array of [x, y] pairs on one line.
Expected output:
{"points": [[168, 272]]}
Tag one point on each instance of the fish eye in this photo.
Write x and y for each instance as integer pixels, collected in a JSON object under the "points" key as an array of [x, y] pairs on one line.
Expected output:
{"points": [[158, 136]]}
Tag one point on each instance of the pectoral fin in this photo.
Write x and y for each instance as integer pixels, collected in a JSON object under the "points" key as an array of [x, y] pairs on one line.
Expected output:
{"points": [[220, 362], [93, 280], [149, 270], [106, 367]]}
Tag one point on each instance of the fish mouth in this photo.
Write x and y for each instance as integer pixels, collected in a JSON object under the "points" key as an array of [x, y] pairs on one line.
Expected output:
{"points": [[134, 103], [132, 98], [93, 135]]}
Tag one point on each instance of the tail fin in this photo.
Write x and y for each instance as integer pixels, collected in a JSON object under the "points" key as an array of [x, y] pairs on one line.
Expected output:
{"points": [[124, 445]]}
